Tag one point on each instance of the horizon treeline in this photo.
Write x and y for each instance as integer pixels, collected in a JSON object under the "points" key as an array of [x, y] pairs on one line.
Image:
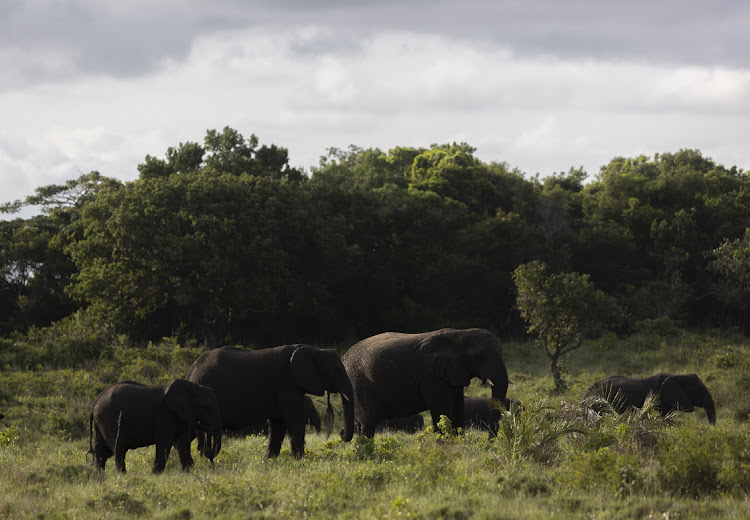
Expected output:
{"points": [[224, 242]]}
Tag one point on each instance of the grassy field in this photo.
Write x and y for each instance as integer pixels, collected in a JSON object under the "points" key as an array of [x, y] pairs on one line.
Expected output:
{"points": [[553, 459]]}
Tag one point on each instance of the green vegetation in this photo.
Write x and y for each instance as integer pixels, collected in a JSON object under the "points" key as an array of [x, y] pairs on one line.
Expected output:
{"points": [[224, 242], [561, 310], [554, 457]]}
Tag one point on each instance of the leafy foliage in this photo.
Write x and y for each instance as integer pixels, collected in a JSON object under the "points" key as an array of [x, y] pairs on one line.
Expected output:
{"points": [[224, 241], [560, 309]]}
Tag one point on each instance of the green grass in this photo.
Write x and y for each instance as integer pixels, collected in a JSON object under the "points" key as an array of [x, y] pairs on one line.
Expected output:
{"points": [[554, 459]]}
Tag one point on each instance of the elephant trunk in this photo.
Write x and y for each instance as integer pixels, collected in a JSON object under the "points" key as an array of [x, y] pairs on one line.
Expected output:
{"points": [[347, 402], [215, 444], [499, 383], [710, 410], [211, 443], [209, 440]]}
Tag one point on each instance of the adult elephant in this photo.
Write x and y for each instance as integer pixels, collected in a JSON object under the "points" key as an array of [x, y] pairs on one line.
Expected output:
{"points": [[396, 374], [270, 384], [129, 415], [675, 392], [485, 413]]}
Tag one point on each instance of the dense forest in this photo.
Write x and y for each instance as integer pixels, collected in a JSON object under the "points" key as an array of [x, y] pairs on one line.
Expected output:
{"points": [[225, 242]]}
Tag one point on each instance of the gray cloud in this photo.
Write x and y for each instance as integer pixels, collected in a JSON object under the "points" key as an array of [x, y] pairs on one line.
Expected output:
{"points": [[49, 40]]}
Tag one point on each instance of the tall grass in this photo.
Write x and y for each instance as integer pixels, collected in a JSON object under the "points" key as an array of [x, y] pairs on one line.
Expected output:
{"points": [[561, 457]]}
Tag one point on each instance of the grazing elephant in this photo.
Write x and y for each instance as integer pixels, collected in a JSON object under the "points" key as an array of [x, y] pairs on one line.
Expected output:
{"points": [[680, 392], [312, 419], [254, 385], [130, 415], [483, 413], [396, 374], [409, 424]]}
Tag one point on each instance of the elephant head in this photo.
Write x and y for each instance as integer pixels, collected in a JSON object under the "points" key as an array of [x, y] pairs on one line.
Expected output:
{"points": [[317, 371], [685, 392], [196, 406], [459, 355]]}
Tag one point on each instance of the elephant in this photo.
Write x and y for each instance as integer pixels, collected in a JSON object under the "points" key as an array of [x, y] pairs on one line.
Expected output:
{"points": [[397, 374], [483, 413], [129, 415], [1, 416], [312, 419], [409, 424], [254, 385], [675, 392]]}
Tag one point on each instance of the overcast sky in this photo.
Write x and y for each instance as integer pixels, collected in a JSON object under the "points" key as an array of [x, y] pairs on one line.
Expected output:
{"points": [[542, 85]]}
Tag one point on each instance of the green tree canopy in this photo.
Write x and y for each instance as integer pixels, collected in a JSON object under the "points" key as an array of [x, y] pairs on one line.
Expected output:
{"points": [[561, 310]]}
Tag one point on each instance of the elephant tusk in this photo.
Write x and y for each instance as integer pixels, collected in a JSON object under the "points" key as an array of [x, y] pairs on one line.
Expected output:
{"points": [[344, 396], [489, 382]]}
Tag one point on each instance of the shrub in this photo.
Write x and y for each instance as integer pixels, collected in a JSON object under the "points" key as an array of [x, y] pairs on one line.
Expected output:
{"points": [[690, 461], [533, 433]]}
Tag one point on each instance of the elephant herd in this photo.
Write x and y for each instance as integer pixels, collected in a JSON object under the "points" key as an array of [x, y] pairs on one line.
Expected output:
{"points": [[385, 382]]}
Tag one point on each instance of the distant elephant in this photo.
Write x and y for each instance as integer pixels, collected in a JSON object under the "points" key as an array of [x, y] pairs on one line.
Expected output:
{"points": [[396, 374], [483, 413], [254, 385], [129, 415], [409, 424], [675, 392], [312, 419], [1, 416]]}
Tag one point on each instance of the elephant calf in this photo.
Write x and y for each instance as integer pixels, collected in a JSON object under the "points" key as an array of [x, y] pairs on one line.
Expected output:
{"points": [[409, 424], [483, 412], [674, 392], [130, 415]]}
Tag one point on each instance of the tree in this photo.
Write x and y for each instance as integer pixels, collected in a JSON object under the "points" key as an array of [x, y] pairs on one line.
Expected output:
{"points": [[35, 267], [561, 309], [731, 262]]}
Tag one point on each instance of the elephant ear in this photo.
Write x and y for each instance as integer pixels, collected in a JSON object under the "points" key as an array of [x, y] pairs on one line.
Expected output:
{"points": [[445, 356], [451, 368], [305, 370], [673, 395], [178, 400]]}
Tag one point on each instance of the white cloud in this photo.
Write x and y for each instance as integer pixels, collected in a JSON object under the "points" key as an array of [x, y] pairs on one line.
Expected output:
{"points": [[309, 88]]}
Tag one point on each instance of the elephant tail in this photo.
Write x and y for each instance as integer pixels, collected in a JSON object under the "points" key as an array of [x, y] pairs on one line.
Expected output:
{"points": [[91, 428]]}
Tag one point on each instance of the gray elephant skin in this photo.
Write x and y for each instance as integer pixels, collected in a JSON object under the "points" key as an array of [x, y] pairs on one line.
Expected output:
{"points": [[675, 392], [129, 415], [396, 374], [410, 424], [270, 384], [312, 419]]}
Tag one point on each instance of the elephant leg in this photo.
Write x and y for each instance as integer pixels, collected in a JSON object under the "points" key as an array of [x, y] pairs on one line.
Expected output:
{"points": [[458, 410], [183, 450], [448, 402], [276, 433], [102, 451], [297, 439], [202, 440], [162, 454], [120, 459]]}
